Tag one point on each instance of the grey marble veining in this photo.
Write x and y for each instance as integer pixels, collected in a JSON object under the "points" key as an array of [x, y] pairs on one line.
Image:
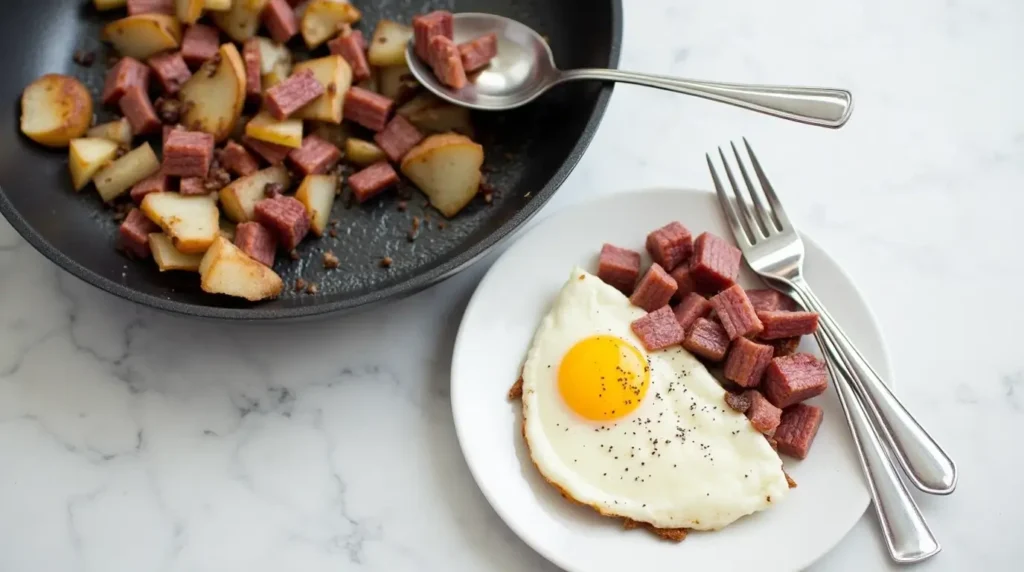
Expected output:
{"points": [[132, 440]]}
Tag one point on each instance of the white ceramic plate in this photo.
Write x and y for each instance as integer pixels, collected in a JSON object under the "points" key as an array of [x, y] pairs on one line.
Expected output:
{"points": [[492, 341]]}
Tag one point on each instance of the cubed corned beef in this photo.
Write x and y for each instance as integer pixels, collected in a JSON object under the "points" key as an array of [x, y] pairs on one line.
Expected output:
{"points": [[134, 233], [715, 263], [746, 362], [139, 7], [316, 156], [796, 430], [398, 138], [446, 62], [735, 312], [280, 20], [199, 44], [252, 59], [369, 109], [138, 109], [167, 132], [292, 94], [479, 52], [783, 346], [188, 153], [763, 415], [706, 339], [684, 282], [768, 300], [738, 401], [286, 217], [271, 152], [157, 183], [193, 186], [351, 48], [654, 290], [791, 379], [171, 70], [692, 307], [257, 241], [426, 26], [126, 73], [237, 160], [658, 329], [372, 180], [782, 324], [619, 267], [670, 245]]}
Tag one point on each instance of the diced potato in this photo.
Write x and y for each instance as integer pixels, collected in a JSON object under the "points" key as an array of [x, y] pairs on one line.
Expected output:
{"points": [[218, 5], [103, 5], [323, 18], [335, 134], [191, 222], [240, 197], [387, 48], [225, 269], [243, 19], [265, 128], [362, 153], [214, 96], [317, 194], [86, 157], [336, 76], [119, 176], [119, 132], [169, 258], [189, 11], [55, 109], [430, 114], [274, 56], [144, 35], [447, 169], [227, 229], [397, 83]]}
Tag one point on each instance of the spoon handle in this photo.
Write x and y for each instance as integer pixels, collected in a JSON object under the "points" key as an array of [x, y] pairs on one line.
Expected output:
{"points": [[812, 105]]}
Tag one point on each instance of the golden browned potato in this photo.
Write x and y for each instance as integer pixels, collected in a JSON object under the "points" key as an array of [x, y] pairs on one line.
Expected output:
{"points": [[189, 11], [225, 269], [447, 169], [191, 222], [336, 76], [214, 96], [323, 18], [217, 5], [430, 114], [144, 35], [274, 56], [317, 194], [88, 155], [119, 176], [362, 153], [387, 48], [169, 258], [103, 5], [55, 109], [265, 128], [240, 197], [243, 19], [119, 131]]}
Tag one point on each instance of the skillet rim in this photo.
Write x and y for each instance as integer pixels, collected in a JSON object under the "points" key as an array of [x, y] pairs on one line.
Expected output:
{"points": [[397, 291]]}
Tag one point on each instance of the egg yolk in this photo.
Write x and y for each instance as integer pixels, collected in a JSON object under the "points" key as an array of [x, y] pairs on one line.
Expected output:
{"points": [[603, 377]]}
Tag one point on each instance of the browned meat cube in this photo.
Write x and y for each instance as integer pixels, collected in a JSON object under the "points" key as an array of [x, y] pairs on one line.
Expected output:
{"points": [[252, 59], [372, 180], [426, 26], [237, 160], [139, 7], [619, 267], [157, 183], [746, 362], [654, 290], [271, 152], [135, 231], [292, 94], [479, 52], [285, 217], [257, 241], [369, 109], [768, 300], [126, 73], [692, 307], [684, 282], [781, 324], [398, 138], [783, 346], [167, 132], [188, 153], [280, 20], [446, 62], [738, 401], [658, 329], [193, 186], [715, 263], [796, 431], [136, 106], [706, 339], [736, 313], [170, 70], [763, 415], [792, 379], [352, 48], [670, 245], [316, 156], [199, 44]]}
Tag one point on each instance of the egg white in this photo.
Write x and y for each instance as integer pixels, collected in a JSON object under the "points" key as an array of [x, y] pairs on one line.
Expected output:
{"points": [[709, 466]]}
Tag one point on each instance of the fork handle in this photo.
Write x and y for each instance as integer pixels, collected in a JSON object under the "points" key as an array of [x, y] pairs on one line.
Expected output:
{"points": [[926, 464]]}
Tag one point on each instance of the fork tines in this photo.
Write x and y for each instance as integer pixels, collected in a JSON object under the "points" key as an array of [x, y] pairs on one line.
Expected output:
{"points": [[750, 219]]}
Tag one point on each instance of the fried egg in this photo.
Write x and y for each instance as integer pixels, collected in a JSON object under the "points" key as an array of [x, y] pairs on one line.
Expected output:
{"points": [[635, 434]]}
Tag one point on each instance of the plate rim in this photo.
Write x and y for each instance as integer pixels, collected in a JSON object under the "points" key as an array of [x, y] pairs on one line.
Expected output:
{"points": [[550, 556]]}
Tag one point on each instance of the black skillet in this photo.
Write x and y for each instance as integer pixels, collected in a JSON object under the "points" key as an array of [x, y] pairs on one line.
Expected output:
{"points": [[529, 153]]}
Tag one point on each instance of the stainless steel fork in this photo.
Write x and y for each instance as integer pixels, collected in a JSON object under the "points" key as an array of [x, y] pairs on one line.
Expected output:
{"points": [[774, 250]]}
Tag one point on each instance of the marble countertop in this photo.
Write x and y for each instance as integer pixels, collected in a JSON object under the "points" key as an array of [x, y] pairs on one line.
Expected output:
{"points": [[136, 441]]}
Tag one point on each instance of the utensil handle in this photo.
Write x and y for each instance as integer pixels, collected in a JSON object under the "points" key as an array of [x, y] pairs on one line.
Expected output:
{"points": [[906, 533], [823, 107], [927, 465]]}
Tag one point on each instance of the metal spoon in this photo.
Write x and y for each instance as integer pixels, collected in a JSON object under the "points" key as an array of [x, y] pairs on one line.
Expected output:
{"points": [[525, 68]]}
